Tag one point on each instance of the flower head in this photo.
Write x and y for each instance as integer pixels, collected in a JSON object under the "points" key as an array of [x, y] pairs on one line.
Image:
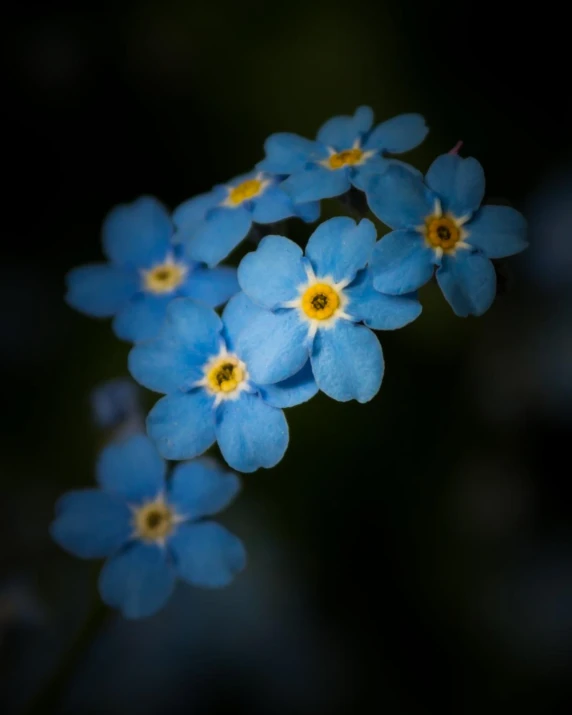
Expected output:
{"points": [[311, 307], [439, 223], [146, 270], [346, 152], [152, 530]]}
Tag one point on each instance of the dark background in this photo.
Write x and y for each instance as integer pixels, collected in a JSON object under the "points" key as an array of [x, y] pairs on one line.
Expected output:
{"points": [[417, 557]]}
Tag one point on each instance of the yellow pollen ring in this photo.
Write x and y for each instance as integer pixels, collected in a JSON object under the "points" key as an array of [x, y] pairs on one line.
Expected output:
{"points": [[246, 190], [320, 301], [442, 232], [154, 521], [225, 375], [348, 157], [164, 278]]}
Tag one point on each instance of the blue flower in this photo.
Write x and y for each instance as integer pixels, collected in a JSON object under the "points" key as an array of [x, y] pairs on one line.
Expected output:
{"points": [[311, 307], [346, 152], [114, 402], [230, 212], [197, 361], [151, 530], [439, 223], [146, 271]]}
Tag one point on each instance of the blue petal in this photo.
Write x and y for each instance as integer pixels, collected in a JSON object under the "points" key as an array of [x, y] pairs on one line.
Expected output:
{"points": [[132, 469], [459, 183], [287, 153], [141, 318], [165, 365], [100, 289], [274, 346], [207, 554], [194, 325], [401, 263], [91, 524], [341, 132], [138, 580], [398, 134], [309, 212], [201, 488], [399, 198], [273, 205], [272, 274], [239, 312], [379, 311], [221, 232], [188, 216], [497, 231], [137, 234], [362, 175], [293, 391], [213, 287], [316, 183], [347, 362], [182, 424], [250, 433], [468, 281], [338, 248]]}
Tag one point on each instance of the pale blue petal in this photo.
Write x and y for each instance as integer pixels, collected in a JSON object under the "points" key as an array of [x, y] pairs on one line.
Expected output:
{"points": [[401, 263], [207, 554], [239, 312], [377, 310], [341, 132], [250, 433], [459, 183], [165, 365], [201, 488], [287, 153], [100, 289], [90, 523], [273, 205], [399, 198], [347, 362], [316, 183], [398, 134], [468, 281], [376, 165], [194, 325], [188, 216], [309, 212], [220, 233], [498, 231], [297, 389], [339, 248], [142, 317], [213, 287]]}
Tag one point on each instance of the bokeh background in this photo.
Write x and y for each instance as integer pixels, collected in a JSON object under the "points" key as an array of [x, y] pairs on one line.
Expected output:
{"points": [[413, 555]]}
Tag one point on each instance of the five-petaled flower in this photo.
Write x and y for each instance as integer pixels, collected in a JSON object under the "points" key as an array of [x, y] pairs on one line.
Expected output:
{"points": [[311, 307], [438, 222], [346, 152], [151, 530], [146, 271], [230, 211], [198, 362]]}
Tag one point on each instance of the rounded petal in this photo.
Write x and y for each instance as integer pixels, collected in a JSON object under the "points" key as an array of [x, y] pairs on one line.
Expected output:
{"points": [[316, 183], [468, 281], [459, 183], [196, 326], [141, 318], [138, 580], [137, 234], [213, 287], [376, 165], [339, 248], [91, 524], [401, 263], [100, 289], [377, 310], [341, 132], [201, 488], [207, 554], [133, 469], [399, 198], [188, 216], [347, 362], [273, 205], [219, 234], [398, 134], [498, 231], [299, 388], [274, 346], [165, 365], [272, 274], [239, 312], [183, 424], [250, 433], [287, 153], [309, 212]]}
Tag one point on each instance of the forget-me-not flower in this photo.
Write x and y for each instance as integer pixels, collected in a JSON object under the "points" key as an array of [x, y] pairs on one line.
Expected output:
{"points": [[146, 270], [439, 223], [312, 306], [345, 153], [151, 530], [197, 361], [230, 211]]}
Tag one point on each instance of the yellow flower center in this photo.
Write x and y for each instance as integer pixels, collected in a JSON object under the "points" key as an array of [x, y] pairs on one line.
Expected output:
{"points": [[244, 191], [164, 278], [442, 232], [348, 157], [320, 301], [154, 521], [226, 374]]}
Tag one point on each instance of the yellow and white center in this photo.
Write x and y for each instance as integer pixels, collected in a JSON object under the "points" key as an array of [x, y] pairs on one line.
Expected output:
{"points": [[444, 232], [320, 301], [348, 157], [165, 277], [245, 191], [154, 521], [225, 376]]}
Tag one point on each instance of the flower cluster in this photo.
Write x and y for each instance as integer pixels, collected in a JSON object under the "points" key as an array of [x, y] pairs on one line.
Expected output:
{"points": [[296, 322]]}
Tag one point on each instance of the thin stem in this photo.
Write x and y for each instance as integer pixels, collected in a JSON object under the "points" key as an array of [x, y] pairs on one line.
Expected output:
{"points": [[457, 148]]}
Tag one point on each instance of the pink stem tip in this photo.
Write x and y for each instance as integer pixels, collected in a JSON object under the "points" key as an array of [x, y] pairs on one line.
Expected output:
{"points": [[457, 147]]}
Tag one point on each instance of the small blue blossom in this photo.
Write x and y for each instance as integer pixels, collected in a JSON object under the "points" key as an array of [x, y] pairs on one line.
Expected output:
{"points": [[438, 222], [345, 153], [230, 212], [152, 530], [311, 307], [197, 362], [114, 402], [146, 271]]}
